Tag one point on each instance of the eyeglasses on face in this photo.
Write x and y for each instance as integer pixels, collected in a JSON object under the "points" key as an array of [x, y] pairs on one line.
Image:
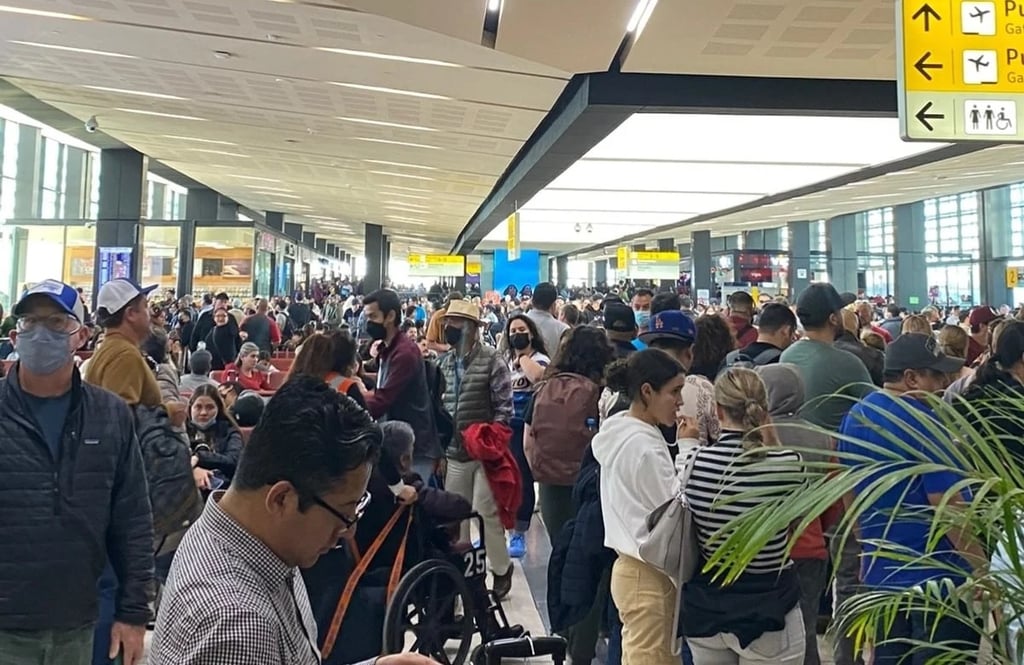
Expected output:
{"points": [[60, 323], [349, 522]]}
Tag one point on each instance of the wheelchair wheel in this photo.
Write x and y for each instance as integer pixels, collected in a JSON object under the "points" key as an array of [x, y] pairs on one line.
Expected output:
{"points": [[425, 607]]}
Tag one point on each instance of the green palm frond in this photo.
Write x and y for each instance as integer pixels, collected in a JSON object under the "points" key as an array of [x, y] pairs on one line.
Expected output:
{"points": [[966, 438]]}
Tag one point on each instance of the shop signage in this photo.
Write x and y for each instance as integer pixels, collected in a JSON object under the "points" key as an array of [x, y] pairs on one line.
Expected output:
{"points": [[436, 265], [1013, 276], [266, 242], [473, 267], [960, 70], [289, 250]]}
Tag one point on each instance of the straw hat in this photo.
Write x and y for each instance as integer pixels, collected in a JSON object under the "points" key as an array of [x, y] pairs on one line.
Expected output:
{"points": [[463, 309]]}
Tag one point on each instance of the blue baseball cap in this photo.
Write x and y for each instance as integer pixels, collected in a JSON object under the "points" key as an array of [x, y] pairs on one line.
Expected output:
{"points": [[117, 293], [670, 324], [63, 295]]}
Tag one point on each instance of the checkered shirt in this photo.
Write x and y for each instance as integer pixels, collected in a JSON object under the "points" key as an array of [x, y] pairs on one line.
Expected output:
{"points": [[230, 600]]}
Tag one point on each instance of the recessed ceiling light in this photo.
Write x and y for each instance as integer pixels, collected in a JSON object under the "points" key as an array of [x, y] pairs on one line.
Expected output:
{"points": [[196, 140], [291, 205], [87, 51], [218, 152], [408, 196], [406, 204], [277, 194], [388, 56], [408, 189], [161, 115], [402, 175], [265, 188], [42, 13], [403, 143], [381, 123], [389, 91], [415, 211], [403, 164], [408, 220], [140, 93], [222, 55]]}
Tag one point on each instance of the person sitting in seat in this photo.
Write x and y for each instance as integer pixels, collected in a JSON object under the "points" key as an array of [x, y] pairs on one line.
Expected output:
{"points": [[200, 363]]}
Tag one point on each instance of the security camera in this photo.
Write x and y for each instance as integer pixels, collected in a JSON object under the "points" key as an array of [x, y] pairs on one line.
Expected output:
{"points": [[92, 124]]}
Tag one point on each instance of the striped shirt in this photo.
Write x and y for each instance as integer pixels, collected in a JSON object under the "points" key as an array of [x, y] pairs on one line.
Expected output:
{"points": [[721, 472]]}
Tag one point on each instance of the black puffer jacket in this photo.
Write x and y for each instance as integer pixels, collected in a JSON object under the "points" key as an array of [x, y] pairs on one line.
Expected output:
{"points": [[60, 520]]}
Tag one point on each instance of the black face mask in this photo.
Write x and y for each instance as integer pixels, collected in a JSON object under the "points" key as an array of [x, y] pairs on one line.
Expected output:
{"points": [[519, 341], [452, 336], [376, 330]]}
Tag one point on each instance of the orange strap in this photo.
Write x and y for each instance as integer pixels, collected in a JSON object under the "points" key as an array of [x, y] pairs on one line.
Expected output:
{"points": [[360, 570]]}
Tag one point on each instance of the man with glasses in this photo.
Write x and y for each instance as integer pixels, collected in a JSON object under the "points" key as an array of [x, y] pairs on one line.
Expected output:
{"points": [[72, 493], [234, 595]]}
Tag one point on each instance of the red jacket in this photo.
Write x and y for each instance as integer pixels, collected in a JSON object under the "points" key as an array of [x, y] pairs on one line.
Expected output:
{"points": [[488, 444]]}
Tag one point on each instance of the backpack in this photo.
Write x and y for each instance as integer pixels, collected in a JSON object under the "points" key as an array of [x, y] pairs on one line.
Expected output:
{"points": [[166, 457], [739, 359], [564, 420], [436, 385]]}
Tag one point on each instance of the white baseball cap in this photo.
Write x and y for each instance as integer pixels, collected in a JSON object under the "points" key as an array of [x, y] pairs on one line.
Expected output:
{"points": [[65, 296], [117, 293]]}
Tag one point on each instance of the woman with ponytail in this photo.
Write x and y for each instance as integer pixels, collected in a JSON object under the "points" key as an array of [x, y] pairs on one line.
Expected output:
{"points": [[757, 618]]}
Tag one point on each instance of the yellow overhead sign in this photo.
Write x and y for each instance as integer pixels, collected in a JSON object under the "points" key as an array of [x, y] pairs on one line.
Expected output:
{"points": [[436, 265], [1012, 278], [513, 245], [622, 258], [656, 257], [961, 69]]}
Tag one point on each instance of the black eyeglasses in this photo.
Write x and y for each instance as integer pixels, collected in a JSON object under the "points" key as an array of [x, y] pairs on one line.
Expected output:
{"points": [[361, 505]]}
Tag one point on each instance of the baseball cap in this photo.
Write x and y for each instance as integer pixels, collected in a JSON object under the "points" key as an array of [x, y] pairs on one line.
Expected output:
{"points": [[670, 324], [818, 302], [983, 315], [848, 298], [919, 351], [117, 293], [619, 317], [65, 297]]}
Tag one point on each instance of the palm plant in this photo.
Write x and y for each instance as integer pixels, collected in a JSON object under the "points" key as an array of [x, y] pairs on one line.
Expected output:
{"points": [[967, 438]]}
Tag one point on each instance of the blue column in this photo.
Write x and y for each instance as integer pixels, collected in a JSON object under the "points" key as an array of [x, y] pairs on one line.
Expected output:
{"points": [[909, 265], [995, 247], [700, 246], [799, 258], [842, 245]]}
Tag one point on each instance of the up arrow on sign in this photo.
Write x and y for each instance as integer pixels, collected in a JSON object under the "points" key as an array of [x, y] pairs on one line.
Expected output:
{"points": [[927, 13]]}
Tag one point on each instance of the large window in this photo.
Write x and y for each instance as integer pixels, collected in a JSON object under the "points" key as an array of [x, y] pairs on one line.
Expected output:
{"points": [[223, 261], [875, 247], [1017, 220], [952, 245]]}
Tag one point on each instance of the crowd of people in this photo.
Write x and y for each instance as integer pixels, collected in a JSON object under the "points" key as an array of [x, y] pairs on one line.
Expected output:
{"points": [[593, 409]]}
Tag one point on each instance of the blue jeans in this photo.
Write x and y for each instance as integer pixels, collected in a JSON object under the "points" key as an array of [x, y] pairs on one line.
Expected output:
{"points": [[106, 587], [898, 645]]}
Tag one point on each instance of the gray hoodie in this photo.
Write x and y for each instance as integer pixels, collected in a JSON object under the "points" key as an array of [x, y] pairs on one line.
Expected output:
{"points": [[785, 397]]}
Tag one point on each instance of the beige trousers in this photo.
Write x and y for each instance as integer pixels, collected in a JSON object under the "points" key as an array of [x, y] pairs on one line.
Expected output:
{"points": [[646, 601], [467, 479]]}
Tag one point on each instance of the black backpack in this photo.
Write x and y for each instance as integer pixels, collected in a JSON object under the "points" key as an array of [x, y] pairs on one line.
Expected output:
{"points": [[173, 494], [739, 359], [436, 385]]}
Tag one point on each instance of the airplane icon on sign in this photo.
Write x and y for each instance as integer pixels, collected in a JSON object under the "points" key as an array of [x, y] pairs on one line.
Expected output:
{"points": [[980, 13], [978, 17], [978, 62]]}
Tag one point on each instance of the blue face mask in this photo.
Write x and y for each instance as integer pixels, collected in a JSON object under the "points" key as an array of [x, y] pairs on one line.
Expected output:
{"points": [[643, 320], [43, 351]]}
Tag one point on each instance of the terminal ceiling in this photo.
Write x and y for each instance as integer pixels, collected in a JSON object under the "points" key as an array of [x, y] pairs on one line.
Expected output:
{"points": [[342, 112]]}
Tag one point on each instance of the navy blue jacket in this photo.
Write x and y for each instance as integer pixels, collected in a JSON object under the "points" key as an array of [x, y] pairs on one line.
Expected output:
{"points": [[60, 519]]}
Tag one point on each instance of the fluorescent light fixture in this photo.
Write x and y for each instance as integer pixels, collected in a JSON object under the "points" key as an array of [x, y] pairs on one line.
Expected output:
{"points": [[388, 56], [277, 194], [196, 140], [71, 49], [402, 164], [408, 196], [252, 177], [408, 220], [42, 13], [389, 91], [382, 123], [494, 5], [402, 143], [175, 116], [265, 188], [402, 175], [406, 204], [408, 189], [140, 93], [218, 152], [641, 15], [291, 205], [414, 211]]}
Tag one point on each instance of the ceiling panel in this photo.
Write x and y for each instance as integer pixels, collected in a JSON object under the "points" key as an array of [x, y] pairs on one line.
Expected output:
{"points": [[541, 31], [801, 38]]}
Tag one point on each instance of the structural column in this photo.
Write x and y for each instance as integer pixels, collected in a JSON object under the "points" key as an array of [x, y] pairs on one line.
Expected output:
{"points": [[385, 259], [995, 243], [123, 197], [799, 258], [374, 251], [600, 272], [909, 265], [26, 200], [667, 245], [700, 246], [842, 245], [75, 185]]}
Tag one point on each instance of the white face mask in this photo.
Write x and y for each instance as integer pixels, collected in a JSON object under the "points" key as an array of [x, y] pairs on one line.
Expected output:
{"points": [[204, 424]]}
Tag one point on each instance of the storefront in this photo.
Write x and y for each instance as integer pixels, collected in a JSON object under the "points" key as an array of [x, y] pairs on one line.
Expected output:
{"points": [[286, 272], [223, 261], [266, 262], [48, 251], [766, 270]]}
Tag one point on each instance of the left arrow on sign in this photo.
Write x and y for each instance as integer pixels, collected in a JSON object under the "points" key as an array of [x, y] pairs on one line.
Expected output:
{"points": [[929, 14], [922, 65], [923, 116]]}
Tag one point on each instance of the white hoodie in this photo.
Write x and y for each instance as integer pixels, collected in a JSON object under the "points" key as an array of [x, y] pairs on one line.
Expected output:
{"points": [[637, 475]]}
